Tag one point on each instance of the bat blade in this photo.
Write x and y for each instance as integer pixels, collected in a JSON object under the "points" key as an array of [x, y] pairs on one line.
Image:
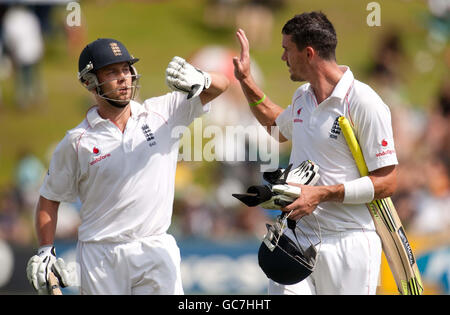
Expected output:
{"points": [[396, 247], [53, 285]]}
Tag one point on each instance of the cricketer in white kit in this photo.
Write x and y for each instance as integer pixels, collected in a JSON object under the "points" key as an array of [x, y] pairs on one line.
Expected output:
{"points": [[121, 162], [350, 251]]}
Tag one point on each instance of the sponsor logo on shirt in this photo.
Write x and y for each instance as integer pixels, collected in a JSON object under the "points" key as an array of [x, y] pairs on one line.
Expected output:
{"points": [[387, 152], [298, 114], [335, 129], [148, 134], [384, 143], [100, 158], [96, 152]]}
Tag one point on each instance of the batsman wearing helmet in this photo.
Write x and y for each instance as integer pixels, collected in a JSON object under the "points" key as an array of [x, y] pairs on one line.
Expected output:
{"points": [[350, 251], [120, 161]]}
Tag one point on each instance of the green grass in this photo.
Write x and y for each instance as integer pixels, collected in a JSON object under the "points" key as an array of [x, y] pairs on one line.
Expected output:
{"points": [[155, 32]]}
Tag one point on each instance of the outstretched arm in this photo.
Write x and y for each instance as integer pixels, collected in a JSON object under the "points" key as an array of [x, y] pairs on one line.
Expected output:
{"points": [[219, 83], [266, 111]]}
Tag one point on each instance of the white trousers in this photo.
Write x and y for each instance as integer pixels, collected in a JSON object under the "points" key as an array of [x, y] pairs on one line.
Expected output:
{"points": [[146, 266], [348, 263]]}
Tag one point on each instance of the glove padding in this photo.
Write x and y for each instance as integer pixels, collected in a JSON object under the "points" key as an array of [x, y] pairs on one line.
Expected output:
{"points": [[284, 195], [39, 267], [182, 76], [278, 194], [306, 173]]}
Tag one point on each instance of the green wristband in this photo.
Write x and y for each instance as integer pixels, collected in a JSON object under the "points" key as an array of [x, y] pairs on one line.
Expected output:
{"points": [[258, 102]]}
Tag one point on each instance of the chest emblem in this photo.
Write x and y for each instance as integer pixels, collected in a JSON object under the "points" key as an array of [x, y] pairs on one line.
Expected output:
{"points": [[335, 129], [149, 135]]}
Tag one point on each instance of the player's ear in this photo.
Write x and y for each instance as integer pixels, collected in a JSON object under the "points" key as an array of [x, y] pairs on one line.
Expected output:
{"points": [[310, 52]]}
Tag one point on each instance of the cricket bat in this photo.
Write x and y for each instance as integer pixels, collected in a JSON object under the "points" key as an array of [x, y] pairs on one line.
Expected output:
{"points": [[397, 250], [53, 285]]}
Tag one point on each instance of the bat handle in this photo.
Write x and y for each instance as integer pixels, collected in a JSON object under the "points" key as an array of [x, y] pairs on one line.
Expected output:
{"points": [[353, 145], [53, 285]]}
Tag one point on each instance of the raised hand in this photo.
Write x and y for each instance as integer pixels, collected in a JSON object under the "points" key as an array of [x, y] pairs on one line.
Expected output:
{"points": [[242, 64]]}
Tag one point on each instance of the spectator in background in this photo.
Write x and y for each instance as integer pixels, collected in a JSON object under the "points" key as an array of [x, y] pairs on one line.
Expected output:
{"points": [[388, 55], [408, 123], [43, 12], [3, 73], [17, 202], [14, 222], [257, 18], [432, 213], [432, 203], [437, 135], [29, 175], [385, 75], [23, 41], [220, 13], [423, 194]]}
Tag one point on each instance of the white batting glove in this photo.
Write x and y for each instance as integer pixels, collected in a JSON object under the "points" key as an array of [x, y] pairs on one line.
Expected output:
{"points": [[182, 76], [66, 273], [40, 265], [307, 173], [277, 202]]}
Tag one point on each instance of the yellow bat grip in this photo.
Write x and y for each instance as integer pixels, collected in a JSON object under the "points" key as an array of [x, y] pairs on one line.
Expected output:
{"points": [[352, 143]]}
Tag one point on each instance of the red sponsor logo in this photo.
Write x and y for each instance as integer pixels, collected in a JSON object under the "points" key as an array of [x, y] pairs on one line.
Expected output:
{"points": [[384, 143], [100, 158], [298, 114], [387, 152]]}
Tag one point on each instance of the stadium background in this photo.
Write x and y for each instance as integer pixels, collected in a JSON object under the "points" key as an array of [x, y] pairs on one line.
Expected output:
{"points": [[406, 59]]}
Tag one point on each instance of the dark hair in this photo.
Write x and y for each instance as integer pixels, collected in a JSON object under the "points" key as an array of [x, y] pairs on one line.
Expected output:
{"points": [[315, 30]]}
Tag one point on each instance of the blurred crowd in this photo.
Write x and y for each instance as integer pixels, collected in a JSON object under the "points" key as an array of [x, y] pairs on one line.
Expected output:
{"points": [[22, 48], [25, 27], [256, 17], [421, 131], [203, 206]]}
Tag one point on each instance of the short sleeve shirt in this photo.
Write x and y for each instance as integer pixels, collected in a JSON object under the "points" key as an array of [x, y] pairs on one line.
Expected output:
{"points": [[315, 134], [125, 181]]}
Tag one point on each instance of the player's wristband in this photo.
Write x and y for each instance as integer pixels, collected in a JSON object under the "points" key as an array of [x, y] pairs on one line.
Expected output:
{"points": [[258, 102], [359, 191]]}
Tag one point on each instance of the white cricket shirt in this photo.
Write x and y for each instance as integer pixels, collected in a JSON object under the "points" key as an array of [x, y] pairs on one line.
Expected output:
{"points": [[315, 134], [125, 181]]}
